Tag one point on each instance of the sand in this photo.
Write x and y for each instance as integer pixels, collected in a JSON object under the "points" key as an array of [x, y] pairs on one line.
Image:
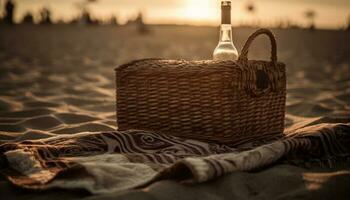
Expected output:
{"points": [[60, 79]]}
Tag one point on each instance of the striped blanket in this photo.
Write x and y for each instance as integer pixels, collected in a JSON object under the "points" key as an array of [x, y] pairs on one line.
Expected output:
{"points": [[106, 162]]}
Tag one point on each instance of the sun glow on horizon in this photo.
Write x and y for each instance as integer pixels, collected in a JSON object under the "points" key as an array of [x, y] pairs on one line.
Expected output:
{"points": [[333, 14], [200, 10]]}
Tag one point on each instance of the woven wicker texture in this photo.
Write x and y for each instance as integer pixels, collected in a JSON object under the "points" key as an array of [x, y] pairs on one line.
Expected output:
{"points": [[220, 101]]}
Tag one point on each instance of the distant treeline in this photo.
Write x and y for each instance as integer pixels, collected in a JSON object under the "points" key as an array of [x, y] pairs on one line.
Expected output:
{"points": [[44, 17], [85, 18]]}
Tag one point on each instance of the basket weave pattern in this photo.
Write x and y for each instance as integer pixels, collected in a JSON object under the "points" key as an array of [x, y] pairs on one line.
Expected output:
{"points": [[220, 101]]}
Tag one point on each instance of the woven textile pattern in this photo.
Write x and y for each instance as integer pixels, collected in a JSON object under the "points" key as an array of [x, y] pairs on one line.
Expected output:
{"points": [[113, 161]]}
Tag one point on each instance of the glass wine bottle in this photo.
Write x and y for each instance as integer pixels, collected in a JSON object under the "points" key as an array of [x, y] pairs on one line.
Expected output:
{"points": [[225, 50]]}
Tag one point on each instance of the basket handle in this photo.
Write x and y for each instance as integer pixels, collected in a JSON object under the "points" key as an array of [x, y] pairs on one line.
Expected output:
{"points": [[244, 53]]}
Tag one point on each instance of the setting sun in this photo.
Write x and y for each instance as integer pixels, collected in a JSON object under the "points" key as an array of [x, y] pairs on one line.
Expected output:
{"points": [[200, 10]]}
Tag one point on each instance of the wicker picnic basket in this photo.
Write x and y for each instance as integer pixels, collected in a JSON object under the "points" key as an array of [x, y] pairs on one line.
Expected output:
{"points": [[229, 102]]}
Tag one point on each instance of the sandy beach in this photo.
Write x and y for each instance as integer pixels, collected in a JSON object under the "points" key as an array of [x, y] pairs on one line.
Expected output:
{"points": [[60, 80]]}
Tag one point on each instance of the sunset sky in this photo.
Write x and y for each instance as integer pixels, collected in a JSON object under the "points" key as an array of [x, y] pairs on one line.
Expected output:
{"points": [[329, 13]]}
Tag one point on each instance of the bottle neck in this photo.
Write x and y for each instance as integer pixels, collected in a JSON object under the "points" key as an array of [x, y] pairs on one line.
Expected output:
{"points": [[225, 33], [225, 28], [225, 12]]}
